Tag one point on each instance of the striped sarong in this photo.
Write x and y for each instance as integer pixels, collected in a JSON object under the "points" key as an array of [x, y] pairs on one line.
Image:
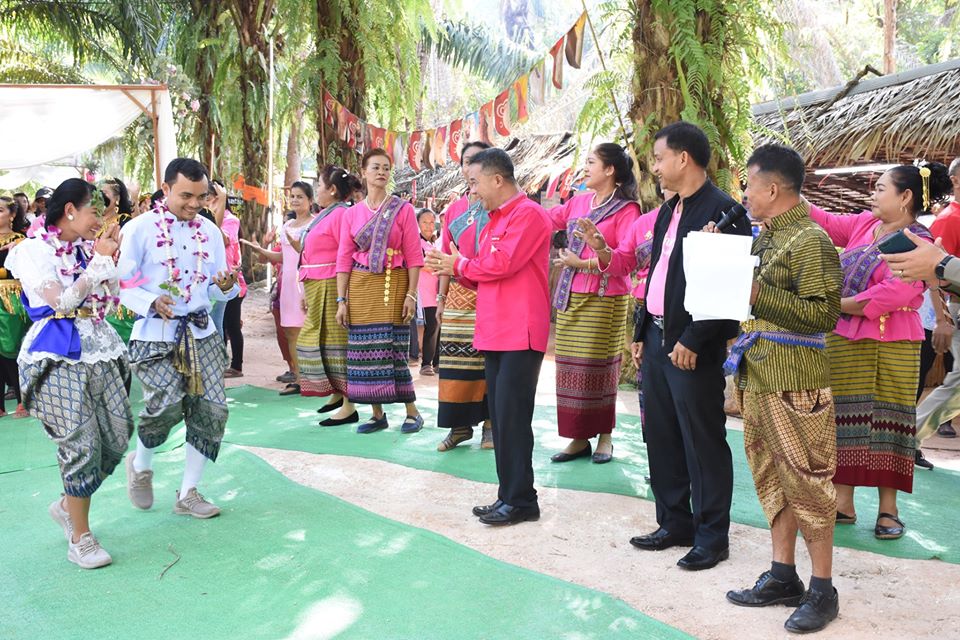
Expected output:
{"points": [[378, 339], [874, 387], [463, 386], [322, 345], [590, 339]]}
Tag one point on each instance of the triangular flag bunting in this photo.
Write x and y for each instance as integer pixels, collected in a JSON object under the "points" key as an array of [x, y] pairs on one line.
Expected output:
{"points": [[440, 147], [331, 108], [538, 81], [426, 149], [501, 113]]}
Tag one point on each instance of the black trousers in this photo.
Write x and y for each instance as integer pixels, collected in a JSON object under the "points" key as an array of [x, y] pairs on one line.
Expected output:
{"points": [[690, 461], [233, 333], [431, 338], [511, 392], [9, 376]]}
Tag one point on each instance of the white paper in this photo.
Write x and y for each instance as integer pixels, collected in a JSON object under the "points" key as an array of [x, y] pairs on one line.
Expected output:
{"points": [[719, 271]]}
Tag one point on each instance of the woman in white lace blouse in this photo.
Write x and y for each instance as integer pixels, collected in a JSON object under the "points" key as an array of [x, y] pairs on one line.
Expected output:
{"points": [[73, 365]]}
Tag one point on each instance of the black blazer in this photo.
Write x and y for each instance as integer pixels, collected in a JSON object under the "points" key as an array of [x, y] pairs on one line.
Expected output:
{"points": [[707, 338]]}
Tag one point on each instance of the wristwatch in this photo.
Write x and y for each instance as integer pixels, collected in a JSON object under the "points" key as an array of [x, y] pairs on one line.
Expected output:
{"points": [[941, 266]]}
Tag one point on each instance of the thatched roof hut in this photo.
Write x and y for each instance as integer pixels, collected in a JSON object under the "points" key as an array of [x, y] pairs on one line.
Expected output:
{"points": [[887, 120], [536, 159]]}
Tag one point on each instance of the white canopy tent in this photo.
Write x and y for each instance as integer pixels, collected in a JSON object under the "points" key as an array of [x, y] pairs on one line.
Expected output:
{"points": [[43, 123]]}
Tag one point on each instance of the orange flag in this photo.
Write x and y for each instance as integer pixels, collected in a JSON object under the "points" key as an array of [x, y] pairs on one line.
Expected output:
{"points": [[556, 52], [574, 48], [521, 89], [501, 113]]}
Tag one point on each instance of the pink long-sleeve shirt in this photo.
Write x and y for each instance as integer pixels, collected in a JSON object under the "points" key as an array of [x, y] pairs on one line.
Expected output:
{"points": [[891, 310], [613, 228], [623, 261], [511, 275], [231, 227], [404, 238], [428, 285], [318, 260]]}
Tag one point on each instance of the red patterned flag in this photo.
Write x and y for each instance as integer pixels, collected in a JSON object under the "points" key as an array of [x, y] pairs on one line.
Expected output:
{"points": [[521, 89], [377, 137], [566, 182], [574, 48], [347, 127], [415, 150], [538, 82], [485, 132], [556, 52], [330, 108], [501, 113], [453, 145]]}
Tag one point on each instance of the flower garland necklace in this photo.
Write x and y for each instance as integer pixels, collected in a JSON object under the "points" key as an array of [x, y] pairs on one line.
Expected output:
{"points": [[165, 239], [101, 303]]}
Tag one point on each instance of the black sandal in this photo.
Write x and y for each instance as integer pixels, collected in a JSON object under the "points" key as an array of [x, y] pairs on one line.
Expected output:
{"points": [[889, 533], [843, 518]]}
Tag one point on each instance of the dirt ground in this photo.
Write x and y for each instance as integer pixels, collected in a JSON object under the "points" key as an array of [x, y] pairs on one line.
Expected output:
{"points": [[583, 537]]}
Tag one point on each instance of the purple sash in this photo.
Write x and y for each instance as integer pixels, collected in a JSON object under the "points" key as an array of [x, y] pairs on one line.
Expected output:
{"points": [[59, 335], [562, 296], [859, 263], [643, 252], [373, 236]]}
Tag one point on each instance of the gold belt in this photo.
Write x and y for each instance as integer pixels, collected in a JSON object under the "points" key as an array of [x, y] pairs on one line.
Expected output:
{"points": [[82, 312]]}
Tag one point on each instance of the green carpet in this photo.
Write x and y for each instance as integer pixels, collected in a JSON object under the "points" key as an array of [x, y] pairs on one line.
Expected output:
{"points": [[259, 418], [283, 561]]}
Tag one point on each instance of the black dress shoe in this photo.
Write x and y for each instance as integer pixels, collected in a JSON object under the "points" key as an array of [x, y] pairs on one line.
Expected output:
{"points": [[505, 514], [769, 591], [661, 539], [327, 408], [485, 509], [920, 461], [563, 456], [700, 558], [335, 422], [815, 612]]}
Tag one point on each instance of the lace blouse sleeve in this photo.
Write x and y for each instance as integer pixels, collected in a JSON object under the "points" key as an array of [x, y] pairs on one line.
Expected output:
{"points": [[39, 276]]}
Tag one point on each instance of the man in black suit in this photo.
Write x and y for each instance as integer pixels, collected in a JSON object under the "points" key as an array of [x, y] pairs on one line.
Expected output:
{"points": [[691, 469]]}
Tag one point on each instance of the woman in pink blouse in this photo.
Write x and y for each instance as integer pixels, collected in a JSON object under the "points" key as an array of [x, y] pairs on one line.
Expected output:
{"points": [[378, 268], [322, 344], [427, 290], [592, 305], [232, 324], [875, 350]]}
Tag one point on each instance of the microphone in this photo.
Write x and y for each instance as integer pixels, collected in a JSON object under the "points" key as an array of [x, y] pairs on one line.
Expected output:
{"points": [[732, 216]]}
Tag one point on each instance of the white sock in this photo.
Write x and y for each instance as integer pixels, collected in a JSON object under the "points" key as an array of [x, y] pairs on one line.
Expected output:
{"points": [[143, 460], [193, 470]]}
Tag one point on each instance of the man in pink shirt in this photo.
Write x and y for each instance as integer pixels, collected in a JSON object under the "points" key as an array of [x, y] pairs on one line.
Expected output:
{"points": [[513, 323]]}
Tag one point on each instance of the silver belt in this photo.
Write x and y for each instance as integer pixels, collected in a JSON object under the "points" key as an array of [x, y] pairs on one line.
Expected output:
{"points": [[657, 320]]}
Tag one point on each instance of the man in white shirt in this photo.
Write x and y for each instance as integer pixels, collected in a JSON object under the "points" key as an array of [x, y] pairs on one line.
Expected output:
{"points": [[173, 265]]}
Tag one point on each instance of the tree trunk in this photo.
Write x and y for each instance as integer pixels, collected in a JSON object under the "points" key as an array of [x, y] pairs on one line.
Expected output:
{"points": [[207, 129], [293, 171], [889, 36], [250, 18], [348, 84]]}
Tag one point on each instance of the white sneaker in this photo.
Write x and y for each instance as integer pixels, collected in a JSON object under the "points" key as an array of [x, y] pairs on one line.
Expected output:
{"points": [[61, 517], [139, 485], [87, 553], [194, 504]]}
